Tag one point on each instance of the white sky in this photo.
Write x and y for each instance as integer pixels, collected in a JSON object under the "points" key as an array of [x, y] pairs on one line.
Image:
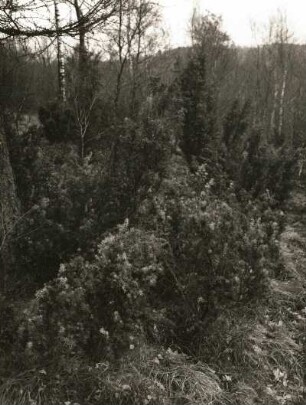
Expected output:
{"points": [[237, 17]]}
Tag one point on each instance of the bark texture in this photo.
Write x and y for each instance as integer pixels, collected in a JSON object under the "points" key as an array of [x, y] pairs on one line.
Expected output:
{"points": [[60, 57], [9, 212]]}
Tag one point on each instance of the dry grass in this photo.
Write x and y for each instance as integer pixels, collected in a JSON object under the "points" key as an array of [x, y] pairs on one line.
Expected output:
{"points": [[261, 348], [259, 356], [293, 251], [159, 377], [193, 383], [25, 389], [145, 376], [289, 291]]}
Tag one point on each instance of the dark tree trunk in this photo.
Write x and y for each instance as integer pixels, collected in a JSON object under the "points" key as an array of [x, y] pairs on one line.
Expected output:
{"points": [[82, 44], [9, 212]]}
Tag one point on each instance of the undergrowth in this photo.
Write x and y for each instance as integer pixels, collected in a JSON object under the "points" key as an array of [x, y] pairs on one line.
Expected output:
{"points": [[104, 331]]}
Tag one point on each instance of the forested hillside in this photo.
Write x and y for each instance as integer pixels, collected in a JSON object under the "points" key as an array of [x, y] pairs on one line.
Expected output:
{"points": [[153, 202]]}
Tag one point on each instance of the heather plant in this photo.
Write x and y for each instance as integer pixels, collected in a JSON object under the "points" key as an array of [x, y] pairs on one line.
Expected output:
{"points": [[194, 254], [97, 309], [223, 250]]}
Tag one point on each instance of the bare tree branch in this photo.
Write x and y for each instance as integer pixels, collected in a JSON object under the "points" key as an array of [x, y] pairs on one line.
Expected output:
{"points": [[32, 19]]}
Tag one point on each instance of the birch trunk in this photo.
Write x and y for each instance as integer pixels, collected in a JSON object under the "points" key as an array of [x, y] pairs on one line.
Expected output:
{"points": [[273, 113], [282, 102], [60, 57]]}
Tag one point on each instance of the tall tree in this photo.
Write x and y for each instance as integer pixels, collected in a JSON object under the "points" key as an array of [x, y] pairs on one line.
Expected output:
{"points": [[60, 56], [199, 88]]}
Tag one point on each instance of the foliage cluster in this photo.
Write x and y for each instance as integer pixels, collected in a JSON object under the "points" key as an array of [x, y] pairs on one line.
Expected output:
{"points": [[68, 201], [100, 308], [223, 250], [192, 255]]}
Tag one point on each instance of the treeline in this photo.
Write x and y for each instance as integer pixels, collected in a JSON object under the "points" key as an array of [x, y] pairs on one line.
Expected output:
{"points": [[141, 217]]}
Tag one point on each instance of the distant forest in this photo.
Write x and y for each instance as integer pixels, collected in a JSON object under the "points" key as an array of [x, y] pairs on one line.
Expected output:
{"points": [[152, 205]]}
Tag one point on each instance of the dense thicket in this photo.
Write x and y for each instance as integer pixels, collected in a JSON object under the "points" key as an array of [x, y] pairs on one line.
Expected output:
{"points": [[149, 215]]}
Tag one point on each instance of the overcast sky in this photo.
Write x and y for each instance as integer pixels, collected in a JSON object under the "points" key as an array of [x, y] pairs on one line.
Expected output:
{"points": [[238, 16]]}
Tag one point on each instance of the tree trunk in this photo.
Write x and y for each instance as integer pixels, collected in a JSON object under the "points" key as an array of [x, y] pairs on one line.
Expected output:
{"points": [[60, 57], [122, 59], [274, 107], [82, 37], [9, 212], [282, 103]]}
